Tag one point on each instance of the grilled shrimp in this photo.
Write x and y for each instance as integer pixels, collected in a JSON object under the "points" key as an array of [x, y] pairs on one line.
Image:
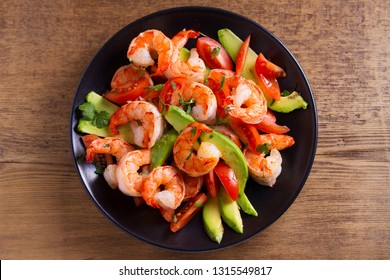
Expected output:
{"points": [[192, 158], [182, 92], [130, 173], [164, 188], [245, 100], [109, 145], [145, 121], [144, 48], [194, 68], [264, 169]]}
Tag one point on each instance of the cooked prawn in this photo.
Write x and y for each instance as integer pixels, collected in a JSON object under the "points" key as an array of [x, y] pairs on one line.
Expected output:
{"points": [[193, 185], [108, 145], [193, 160], [201, 100], [180, 39], [245, 100], [264, 169], [130, 173], [144, 48], [109, 175], [145, 121], [172, 194], [277, 141], [194, 68]]}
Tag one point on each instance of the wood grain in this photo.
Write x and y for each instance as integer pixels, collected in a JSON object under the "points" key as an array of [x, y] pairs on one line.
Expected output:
{"points": [[341, 213]]}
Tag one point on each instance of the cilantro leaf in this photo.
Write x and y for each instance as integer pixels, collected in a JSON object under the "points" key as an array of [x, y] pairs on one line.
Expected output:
{"points": [[101, 119], [264, 149], [88, 110]]}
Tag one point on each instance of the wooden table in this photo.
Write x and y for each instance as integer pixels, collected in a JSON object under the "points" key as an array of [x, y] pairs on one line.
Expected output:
{"points": [[341, 213]]}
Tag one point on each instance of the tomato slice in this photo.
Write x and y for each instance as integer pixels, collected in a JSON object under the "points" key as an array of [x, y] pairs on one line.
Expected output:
{"points": [[211, 184], [129, 82], [189, 210], [241, 56], [269, 86], [268, 69], [228, 179], [247, 133], [213, 54], [268, 124]]}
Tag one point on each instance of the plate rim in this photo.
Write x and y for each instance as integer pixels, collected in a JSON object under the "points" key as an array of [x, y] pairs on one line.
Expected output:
{"points": [[197, 9]]}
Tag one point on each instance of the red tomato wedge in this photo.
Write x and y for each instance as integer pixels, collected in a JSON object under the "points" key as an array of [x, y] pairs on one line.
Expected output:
{"points": [[189, 210], [268, 124], [172, 89], [213, 54], [267, 72], [268, 69], [228, 179], [270, 86], [247, 133], [241, 56], [212, 186], [129, 82]]}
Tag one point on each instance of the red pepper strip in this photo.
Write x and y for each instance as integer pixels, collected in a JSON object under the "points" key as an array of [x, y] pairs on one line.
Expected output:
{"points": [[189, 210], [241, 56], [268, 124]]}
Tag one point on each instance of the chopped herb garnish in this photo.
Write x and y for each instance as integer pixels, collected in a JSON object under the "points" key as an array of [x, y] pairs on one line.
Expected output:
{"points": [[215, 51], [157, 87], [198, 204], [99, 170], [173, 84], [187, 105], [264, 149], [98, 119], [285, 93], [222, 82]]}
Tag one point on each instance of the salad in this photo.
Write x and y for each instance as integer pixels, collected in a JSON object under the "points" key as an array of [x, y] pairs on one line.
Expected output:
{"points": [[181, 130]]}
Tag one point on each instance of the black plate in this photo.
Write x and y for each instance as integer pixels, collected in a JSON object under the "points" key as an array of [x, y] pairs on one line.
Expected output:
{"points": [[146, 223]]}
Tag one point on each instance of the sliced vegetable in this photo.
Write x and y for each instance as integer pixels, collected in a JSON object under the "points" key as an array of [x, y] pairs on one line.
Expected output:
{"points": [[211, 183], [102, 104], [247, 133], [228, 179], [213, 54], [230, 211], [162, 149], [268, 69], [269, 86], [241, 56], [288, 103], [268, 124], [232, 43], [188, 211], [212, 219]]}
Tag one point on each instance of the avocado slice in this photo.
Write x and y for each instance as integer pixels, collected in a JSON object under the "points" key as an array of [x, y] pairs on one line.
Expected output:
{"points": [[230, 212], [288, 103], [162, 149], [232, 43], [102, 104], [212, 219]]}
